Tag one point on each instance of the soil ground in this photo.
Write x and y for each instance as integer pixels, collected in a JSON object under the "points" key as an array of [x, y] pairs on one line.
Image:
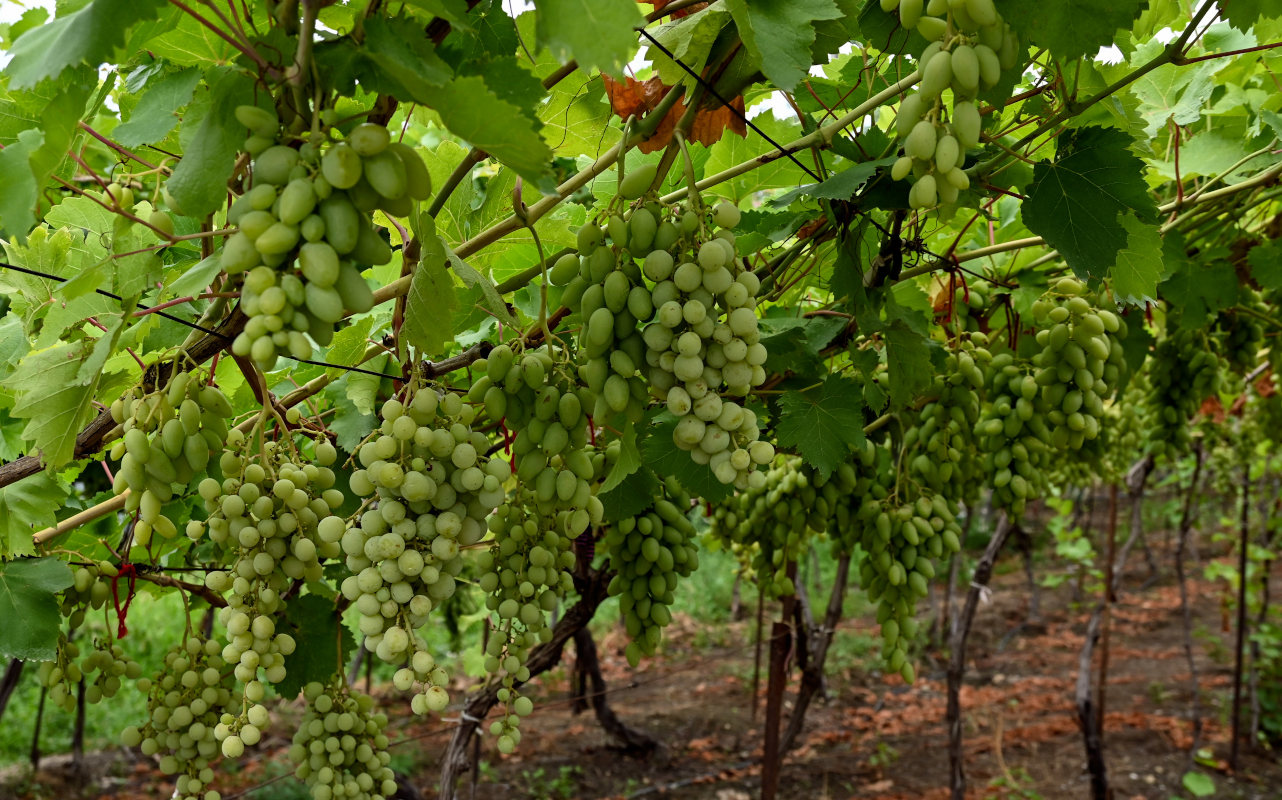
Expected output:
{"points": [[875, 738]]}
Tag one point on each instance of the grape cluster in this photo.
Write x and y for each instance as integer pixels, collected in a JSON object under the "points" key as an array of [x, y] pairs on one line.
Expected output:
{"points": [[1013, 435], [185, 711], [1080, 363], [274, 512], [340, 748], [305, 230], [649, 552], [434, 487], [963, 309], [105, 665], [527, 570], [1241, 334], [903, 527], [169, 435], [703, 340], [771, 525], [535, 397], [608, 290], [1182, 373], [970, 45], [943, 439]]}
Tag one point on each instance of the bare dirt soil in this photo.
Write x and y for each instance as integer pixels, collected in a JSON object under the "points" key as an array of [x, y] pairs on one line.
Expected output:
{"points": [[875, 738]]}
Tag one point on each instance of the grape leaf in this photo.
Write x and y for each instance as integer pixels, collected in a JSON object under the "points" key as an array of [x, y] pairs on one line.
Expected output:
{"points": [[29, 607], [1071, 28], [362, 389], [908, 362], [474, 279], [1200, 288], [470, 110], [195, 279], [349, 345], [1242, 14], [661, 454], [1266, 265], [1178, 93], [55, 402], [404, 58], [18, 200], [633, 495], [1075, 201], [823, 424], [596, 33], [689, 40], [27, 506], [321, 643], [1139, 264], [629, 459], [156, 113], [779, 34], [211, 136], [430, 301], [86, 36], [350, 425], [1199, 784]]}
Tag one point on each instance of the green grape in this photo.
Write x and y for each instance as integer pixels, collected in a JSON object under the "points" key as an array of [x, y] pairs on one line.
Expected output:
{"points": [[968, 48], [433, 495], [340, 748], [649, 552], [1013, 435], [168, 437], [1182, 372], [1079, 366], [306, 233], [186, 711]]}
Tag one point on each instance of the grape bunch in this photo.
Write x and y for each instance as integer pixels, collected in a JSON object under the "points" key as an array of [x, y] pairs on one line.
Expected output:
{"points": [[525, 573], [1182, 372], [305, 230], [1080, 362], [607, 288], [649, 552], [703, 341], [1013, 435], [274, 513], [943, 439], [535, 396], [970, 45], [185, 706], [434, 487], [771, 525], [1241, 335], [169, 435], [903, 527], [340, 748], [963, 309], [105, 666]]}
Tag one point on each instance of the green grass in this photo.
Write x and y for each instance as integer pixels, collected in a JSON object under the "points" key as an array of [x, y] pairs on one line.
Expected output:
{"points": [[155, 624]]}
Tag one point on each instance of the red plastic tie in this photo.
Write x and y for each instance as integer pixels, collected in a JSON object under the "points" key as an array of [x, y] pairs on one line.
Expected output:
{"points": [[122, 611]]}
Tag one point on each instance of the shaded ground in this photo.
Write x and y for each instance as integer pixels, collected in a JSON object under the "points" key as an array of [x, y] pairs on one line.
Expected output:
{"points": [[875, 737]]}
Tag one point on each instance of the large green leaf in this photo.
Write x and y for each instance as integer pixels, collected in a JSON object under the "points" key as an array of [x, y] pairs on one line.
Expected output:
{"points": [[689, 40], [211, 136], [596, 33], [1075, 201], [86, 36], [823, 424], [29, 607], [27, 506], [1071, 28], [1139, 264], [1243, 14], [1266, 265], [18, 200], [404, 58], [477, 115], [429, 304], [55, 401], [323, 645], [157, 111], [779, 34]]}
